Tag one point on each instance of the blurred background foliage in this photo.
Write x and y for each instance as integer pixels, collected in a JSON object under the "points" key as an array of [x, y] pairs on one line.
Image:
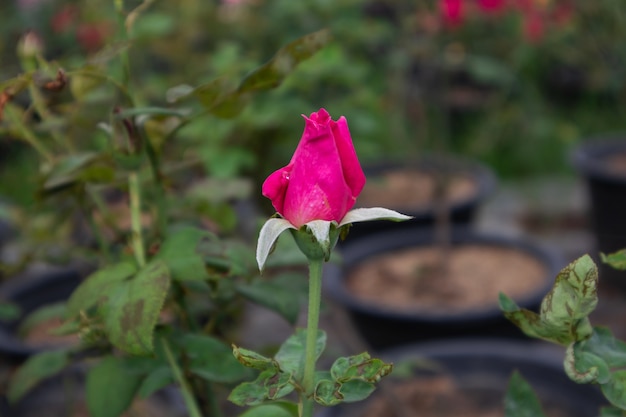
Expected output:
{"points": [[513, 83]]}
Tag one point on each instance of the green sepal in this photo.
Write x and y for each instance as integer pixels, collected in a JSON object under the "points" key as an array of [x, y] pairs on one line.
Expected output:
{"points": [[317, 238]]}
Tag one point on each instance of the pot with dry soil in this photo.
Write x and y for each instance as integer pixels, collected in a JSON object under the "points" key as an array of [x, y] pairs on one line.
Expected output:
{"points": [[26, 334], [469, 378], [400, 287], [418, 188], [602, 164]]}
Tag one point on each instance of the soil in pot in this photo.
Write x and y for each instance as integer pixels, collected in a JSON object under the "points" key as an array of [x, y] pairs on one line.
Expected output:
{"points": [[472, 277], [413, 188], [397, 287], [420, 187]]}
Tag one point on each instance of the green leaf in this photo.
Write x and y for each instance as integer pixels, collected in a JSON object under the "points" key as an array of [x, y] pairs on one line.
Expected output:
{"points": [[34, 370], [356, 390], [70, 169], [330, 393], [211, 93], [574, 294], [285, 60], [362, 367], [616, 260], [563, 317], [132, 308], [585, 367], [252, 359], [520, 399], [615, 389], [211, 359], [271, 384], [603, 344], [279, 409], [157, 379], [530, 322], [326, 393], [180, 251], [291, 354], [41, 315], [110, 388], [284, 294], [95, 287]]}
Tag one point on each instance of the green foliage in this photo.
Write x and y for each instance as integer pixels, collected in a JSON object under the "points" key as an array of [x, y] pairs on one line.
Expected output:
{"points": [[110, 387], [563, 317], [180, 252], [284, 294], [132, 308], [129, 302], [520, 399], [276, 409], [37, 368], [211, 359], [616, 260], [279, 375], [350, 379], [593, 354]]}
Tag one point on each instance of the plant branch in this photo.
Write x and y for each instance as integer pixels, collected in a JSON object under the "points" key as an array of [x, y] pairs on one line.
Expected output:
{"points": [[313, 315], [135, 218], [188, 397]]}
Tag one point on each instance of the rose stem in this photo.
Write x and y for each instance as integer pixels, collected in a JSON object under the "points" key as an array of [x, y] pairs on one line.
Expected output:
{"points": [[135, 218], [313, 315]]}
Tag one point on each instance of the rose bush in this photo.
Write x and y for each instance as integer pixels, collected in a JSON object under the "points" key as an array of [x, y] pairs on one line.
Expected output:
{"points": [[323, 178]]}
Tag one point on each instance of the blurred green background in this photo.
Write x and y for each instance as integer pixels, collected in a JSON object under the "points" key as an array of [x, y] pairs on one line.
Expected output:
{"points": [[513, 83]]}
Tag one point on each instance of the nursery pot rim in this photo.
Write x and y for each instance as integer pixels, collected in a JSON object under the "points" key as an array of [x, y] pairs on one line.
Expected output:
{"points": [[483, 176], [588, 157], [354, 252]]}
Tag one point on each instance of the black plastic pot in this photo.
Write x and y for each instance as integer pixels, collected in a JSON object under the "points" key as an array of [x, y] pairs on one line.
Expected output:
{"points": [[30, 292], [63, 395], [461, 212], [384, 327], [482, 367], [607, 198]]}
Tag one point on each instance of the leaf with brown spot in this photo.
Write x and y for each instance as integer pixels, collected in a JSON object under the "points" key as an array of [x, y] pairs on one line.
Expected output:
{"points": [[133, 306]]}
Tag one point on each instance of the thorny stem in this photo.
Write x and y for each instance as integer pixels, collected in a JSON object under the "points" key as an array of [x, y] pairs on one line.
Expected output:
{"points": [[313, 315]]}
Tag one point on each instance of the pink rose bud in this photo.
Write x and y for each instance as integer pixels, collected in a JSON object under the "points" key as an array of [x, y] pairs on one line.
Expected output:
{"points": [[323, 178]]}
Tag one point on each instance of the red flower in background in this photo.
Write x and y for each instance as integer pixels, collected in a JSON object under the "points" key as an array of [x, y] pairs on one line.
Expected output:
{"points": [[452, 12], [492, 6], [91, 36]]}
